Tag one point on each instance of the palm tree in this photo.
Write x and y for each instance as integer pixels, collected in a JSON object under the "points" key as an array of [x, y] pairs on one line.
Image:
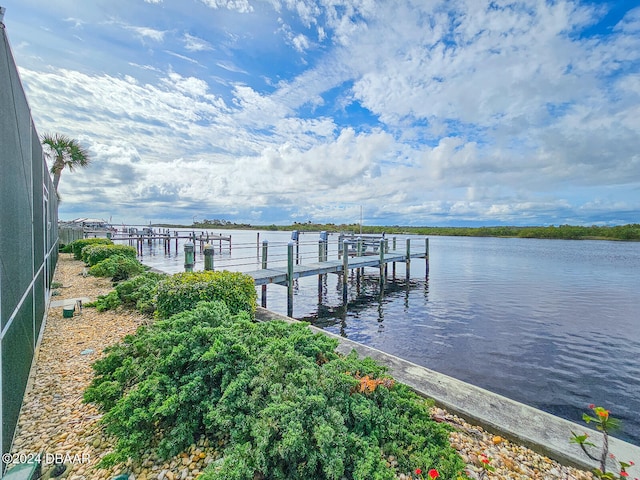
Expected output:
{"points": [[65, 152]]}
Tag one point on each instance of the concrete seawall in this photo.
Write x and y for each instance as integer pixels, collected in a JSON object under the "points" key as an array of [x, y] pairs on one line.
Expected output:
{"points": [[542, 432]]}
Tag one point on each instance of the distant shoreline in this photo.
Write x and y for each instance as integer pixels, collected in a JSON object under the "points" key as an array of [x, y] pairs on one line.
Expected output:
{"points": [[629, 232]]}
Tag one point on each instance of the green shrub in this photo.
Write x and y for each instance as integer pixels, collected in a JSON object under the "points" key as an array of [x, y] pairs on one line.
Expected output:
{"points": [[110, 301], [68, 248], [275, 396], [183, 291], [78, 245], [118, 267], [93, 254], [141, 291]]}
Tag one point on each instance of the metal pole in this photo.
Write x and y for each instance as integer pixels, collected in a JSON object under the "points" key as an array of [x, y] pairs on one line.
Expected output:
{"points": [[208, 257], [265, 246], [408, 260], [189, 256], [345, 269], [381, 248], [290, 279], [426, 254]]}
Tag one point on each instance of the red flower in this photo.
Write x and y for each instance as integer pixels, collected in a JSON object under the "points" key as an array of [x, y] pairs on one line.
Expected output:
{"points": [[418, 471], [603, 413], [484, 459], [631, 462], [433, 473], [592, 406], [624, 474]]}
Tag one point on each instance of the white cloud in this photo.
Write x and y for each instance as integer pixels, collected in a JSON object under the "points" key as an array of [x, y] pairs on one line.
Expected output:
{"points": [[195, 44], [146, 33], [242, 6]]}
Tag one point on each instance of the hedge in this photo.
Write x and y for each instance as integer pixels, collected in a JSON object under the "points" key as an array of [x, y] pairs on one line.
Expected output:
{"points": [[118, 267], [141, 291], [276, 398], [78, 245], [94, 254], [183, 291]]}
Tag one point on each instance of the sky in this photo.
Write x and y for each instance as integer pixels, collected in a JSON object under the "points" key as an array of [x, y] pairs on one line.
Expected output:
{"points": [[402, 112]]}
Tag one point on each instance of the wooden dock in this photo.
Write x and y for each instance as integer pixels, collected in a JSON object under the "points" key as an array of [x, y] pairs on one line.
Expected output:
{"points": [[266, 276], [138, 237], [352, 256]]}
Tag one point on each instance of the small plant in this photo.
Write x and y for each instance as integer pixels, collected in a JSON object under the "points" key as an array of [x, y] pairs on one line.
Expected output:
{"points": [[485, 463], [56, 285], [604, 423], [432, 473], [110, 301]]}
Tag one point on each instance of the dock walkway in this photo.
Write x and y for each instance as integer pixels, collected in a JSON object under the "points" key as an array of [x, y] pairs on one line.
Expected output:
{"points": [[280, 276]]}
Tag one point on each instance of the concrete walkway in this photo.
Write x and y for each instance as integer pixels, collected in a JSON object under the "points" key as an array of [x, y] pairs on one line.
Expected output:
{"points": [[542, 432]]}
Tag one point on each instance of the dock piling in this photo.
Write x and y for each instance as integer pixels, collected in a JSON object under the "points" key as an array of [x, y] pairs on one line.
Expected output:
{"points": [[208, 257], [189, 256]]}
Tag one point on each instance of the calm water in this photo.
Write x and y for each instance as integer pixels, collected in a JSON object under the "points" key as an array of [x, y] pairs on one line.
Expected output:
{"points": [[550, 323]]}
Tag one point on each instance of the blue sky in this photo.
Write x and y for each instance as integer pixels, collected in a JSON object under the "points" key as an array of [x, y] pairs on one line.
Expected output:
{"points": [[420, 112]]}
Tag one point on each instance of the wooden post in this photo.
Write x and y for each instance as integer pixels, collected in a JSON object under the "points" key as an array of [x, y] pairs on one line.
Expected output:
{"points": [[290, 279], [345, 269], [408, 260], [265, 247], [208, 257], [189, 255]]}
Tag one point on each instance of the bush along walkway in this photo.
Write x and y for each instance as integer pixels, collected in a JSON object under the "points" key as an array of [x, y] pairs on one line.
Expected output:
{"points": [[208, 393]]}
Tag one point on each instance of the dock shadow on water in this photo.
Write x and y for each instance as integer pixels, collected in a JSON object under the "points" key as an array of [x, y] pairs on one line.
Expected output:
{"points": [[366, 298]]}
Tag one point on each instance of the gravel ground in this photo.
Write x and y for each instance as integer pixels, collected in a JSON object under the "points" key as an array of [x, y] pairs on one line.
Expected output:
{"points": [[54, 419]]}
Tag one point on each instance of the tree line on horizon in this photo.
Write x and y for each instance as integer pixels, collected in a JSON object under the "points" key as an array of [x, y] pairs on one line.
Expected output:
{"points": [[566, 232]]}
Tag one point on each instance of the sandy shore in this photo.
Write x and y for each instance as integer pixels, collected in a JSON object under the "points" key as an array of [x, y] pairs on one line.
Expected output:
{"points": [[54, 419]]}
